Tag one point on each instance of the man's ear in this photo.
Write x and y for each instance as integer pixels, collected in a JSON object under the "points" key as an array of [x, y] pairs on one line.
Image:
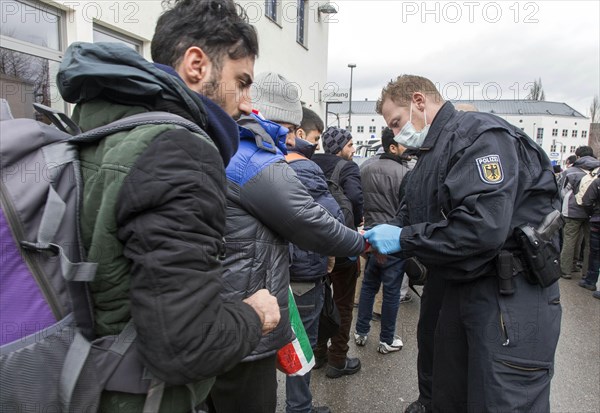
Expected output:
{"points": [[194, 67], [300, 133], [419, 100]]}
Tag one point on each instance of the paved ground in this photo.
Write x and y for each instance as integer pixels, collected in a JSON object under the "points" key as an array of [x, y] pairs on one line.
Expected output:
{"points": [[387, 383]]}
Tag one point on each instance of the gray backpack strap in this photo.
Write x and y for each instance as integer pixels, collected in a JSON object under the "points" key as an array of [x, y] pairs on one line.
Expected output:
{"points": [[72, 367], [131, 122], [154, 397], [58, 119], [78, 354], [5, 113], [335, 176]]}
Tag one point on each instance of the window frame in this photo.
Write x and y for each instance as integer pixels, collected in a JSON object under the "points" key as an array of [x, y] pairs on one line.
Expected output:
{"points": [[275, 7], [42, 52], [124, 38]]}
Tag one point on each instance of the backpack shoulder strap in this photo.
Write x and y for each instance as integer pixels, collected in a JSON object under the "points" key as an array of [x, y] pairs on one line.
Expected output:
{"points": [[58, 119], [131, 122], [335, 175]]}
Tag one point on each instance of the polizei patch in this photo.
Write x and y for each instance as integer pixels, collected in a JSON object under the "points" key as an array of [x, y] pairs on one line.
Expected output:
{"points": [[490, 169]]}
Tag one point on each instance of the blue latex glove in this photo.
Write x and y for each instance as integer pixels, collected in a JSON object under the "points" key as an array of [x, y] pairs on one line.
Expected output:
{"points": [[384, 239]]}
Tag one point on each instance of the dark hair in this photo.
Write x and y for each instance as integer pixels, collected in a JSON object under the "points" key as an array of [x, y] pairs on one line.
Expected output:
{"points": [[584, 151], [387, 139], [311, 121], [571, 159], [219, 27], [557, 169]]}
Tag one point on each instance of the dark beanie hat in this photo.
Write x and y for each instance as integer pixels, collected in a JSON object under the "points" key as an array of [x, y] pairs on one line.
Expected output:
{"points": [[334, 139]]}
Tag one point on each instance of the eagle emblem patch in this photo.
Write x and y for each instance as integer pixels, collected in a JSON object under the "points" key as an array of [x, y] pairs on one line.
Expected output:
{"points": [[490, 169]]}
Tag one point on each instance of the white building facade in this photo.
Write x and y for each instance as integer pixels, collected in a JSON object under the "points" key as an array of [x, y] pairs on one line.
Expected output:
{"points": [[556, 127], [293, 36]]}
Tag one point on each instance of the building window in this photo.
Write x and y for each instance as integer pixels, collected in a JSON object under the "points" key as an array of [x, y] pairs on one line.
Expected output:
{"points": [[573, 149], [273, 10], [574, 134], [372, 129], [360, 129], [540, 136], [31, 39], [302, 22], [554, 132], [552, 148], [102, 34], [565, 133], [584, 134]]}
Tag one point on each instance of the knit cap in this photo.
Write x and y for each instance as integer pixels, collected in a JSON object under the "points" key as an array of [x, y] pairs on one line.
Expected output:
{"points": [[276, 98], [334, 139]]}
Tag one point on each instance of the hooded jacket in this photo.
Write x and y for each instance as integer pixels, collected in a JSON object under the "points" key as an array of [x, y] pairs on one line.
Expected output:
{"points": [[267, 208], [153, 218], [573, 176]]}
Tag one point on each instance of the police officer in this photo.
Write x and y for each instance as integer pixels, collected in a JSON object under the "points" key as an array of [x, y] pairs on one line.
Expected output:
{"points": [[476, 180]]}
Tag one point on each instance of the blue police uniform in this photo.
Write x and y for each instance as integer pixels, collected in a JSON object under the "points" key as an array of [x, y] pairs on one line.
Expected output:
{"points": [[476, 180]]}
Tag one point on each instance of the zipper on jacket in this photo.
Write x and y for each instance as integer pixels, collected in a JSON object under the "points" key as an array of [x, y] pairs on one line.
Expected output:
{"points": [[34, 267]]}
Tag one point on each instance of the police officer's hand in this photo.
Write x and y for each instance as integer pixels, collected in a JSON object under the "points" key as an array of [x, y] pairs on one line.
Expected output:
{"points": [[266, 307], [384, 238]]}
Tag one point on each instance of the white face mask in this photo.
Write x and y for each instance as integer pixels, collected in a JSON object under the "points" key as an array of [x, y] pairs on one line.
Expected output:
{"points": [[408, 135]]}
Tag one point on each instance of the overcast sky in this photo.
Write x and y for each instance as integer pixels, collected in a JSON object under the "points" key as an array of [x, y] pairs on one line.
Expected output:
{"points": [[470, 49]]}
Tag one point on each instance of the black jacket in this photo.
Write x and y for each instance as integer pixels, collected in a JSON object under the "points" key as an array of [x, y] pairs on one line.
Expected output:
{"points": [[349, 181], [477, 178], [591, 200]]}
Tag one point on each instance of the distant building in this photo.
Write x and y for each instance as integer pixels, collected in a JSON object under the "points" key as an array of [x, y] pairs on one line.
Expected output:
{"points": [[556, 127], [34, 34]]}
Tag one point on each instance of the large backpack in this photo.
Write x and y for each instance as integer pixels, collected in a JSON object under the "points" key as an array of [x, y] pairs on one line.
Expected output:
{"points": [[585, 182], [49, 357], [338, 194]]}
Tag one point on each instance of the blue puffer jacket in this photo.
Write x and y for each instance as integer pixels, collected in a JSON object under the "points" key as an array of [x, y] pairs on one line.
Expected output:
{"points": [[267, 208], [307, 265]]}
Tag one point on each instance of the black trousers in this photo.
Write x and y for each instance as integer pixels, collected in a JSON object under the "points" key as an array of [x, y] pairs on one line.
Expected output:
{"points": [[431, 302], [495, 353], [249, 387]]}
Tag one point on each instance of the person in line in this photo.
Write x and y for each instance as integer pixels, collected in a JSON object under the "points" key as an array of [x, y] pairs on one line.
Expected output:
{"points": [[577, 223], [339, 150], [153, 213], [477, 179], [591, 204], [307, 269], [268, 208], [381, 182]]}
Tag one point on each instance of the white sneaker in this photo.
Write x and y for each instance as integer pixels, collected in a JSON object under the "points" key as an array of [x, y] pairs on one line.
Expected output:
{"points": [[385, 348], [360, 340]]}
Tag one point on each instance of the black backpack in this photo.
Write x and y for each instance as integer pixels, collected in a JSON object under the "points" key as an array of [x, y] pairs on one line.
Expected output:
{"points": [[338, 194]]}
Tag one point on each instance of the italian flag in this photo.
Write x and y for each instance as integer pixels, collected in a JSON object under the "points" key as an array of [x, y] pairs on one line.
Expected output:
{"points": [[296, 358]]}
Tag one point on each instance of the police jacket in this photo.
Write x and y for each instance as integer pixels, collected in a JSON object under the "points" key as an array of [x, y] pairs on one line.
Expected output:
{"points": [[477, 178], [381, 182], [573, 176], [267, 208]]}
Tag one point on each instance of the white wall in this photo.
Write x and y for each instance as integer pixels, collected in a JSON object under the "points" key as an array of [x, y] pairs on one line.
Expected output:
{"points": [[279, 50]]}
